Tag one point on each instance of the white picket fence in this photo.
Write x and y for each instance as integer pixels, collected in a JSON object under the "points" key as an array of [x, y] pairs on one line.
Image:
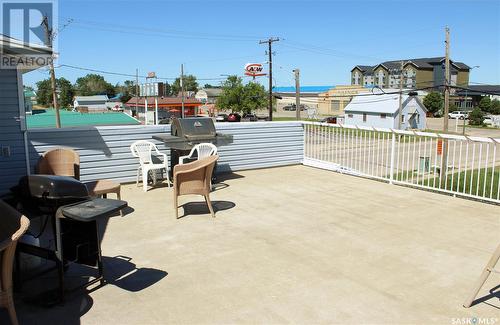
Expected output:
{"points": [[471, 169]]}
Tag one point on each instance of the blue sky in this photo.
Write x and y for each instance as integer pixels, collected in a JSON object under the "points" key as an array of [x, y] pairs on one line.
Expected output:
{"points": [[324, 39]]}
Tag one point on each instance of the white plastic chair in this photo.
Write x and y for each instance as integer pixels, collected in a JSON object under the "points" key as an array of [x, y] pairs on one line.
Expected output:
{"points": [[202, 150], [143, 149]]}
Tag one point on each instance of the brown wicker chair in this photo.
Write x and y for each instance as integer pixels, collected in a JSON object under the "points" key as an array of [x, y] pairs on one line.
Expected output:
{"points": [[66, 162], [12, 226], [60, 161], [194, 178]]}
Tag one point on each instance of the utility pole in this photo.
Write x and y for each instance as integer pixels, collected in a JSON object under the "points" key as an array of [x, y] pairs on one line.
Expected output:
{"points": [[446, 81], [137, 92], [297, 93], [269, 42], [182, 90], [50, 37], [444, 158], [400, 109]]}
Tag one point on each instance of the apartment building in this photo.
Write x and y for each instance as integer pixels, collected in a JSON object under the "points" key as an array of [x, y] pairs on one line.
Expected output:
{"points": [[417, 73]]}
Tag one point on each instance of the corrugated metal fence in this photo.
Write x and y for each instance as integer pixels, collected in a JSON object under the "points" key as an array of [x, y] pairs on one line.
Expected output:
{"points": [[105, 153]]}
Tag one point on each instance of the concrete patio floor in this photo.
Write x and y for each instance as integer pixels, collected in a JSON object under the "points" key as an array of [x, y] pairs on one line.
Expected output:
{"points": [[290, 245]]}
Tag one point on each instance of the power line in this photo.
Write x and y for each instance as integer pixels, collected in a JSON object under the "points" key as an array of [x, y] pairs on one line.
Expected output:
{"points": [[170, 33], [127, 74]]}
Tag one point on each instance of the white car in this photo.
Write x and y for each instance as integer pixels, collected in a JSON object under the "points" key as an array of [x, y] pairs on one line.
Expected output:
{"points": [[488, 120], [459, 114]]}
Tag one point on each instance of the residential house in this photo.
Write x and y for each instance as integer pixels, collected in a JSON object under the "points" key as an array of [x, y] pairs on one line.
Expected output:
{"points": [[90, 104], [14, 154], [208, 95], [417, 73], [382, 111]]}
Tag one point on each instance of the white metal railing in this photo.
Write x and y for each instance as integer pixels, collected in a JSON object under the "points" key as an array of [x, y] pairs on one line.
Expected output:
{"points": [[461, 165]]}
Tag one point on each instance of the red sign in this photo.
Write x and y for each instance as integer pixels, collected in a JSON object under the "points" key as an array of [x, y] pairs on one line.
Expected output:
{"points": [[254, 69]]}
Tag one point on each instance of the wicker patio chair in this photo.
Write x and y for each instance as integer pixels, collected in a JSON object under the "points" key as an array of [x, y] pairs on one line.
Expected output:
{"points": [[60, 161], [66, 162], [12, 226], [194, 178]]}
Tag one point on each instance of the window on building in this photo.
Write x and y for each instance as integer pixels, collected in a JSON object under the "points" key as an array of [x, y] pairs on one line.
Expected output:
{"points": [[402, 118], [364, 117], [349, 115], [383, 115]]}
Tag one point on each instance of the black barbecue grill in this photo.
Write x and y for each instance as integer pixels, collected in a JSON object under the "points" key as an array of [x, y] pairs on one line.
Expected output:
{"points": [[64, 203], [185, 133]]}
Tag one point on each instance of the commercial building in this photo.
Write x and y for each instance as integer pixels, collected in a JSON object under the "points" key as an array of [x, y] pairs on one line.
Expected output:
{"points": [[309, 95], [417, 73], [333, 101], [469, 98], [382, 111], [167, 107]]}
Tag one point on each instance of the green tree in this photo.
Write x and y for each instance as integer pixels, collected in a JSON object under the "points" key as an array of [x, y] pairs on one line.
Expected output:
{"points": [[65, 92], [254, 97], [476, 117], [44, 93], [495, 107], [93, 84], [434, 102], [232, 95], [127, 90], [190, 84], [485, 104]]}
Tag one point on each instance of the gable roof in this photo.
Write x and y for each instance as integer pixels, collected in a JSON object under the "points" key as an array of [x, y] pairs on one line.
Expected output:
{"points": [[212, 92], [95, 98], [423, 63], [385, 103]]}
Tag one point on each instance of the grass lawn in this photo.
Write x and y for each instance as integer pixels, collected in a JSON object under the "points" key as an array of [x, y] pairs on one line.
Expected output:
{"points": [[478, 182]]}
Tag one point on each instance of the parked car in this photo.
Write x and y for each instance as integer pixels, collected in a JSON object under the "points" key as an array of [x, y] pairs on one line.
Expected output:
{"points": [[250, 117], [488, 120], [234, 117], [221, 118], [459, 114], [293, 107], [330, 119]]}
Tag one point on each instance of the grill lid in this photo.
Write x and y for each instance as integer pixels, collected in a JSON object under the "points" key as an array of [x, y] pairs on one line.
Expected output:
{"points": [[193, 128], [50, 187]]}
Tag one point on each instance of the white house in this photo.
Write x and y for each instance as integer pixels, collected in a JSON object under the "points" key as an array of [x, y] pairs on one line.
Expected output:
{"points": [[382, 111], [92, 103], [208, 95]]}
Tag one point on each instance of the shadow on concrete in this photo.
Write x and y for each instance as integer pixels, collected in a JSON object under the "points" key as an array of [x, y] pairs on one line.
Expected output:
{"points": [[494, 293], [196, 208], [119, 271]]}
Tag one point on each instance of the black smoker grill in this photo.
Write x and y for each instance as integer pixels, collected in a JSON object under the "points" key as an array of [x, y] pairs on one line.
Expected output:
{"points": [[64, 203], [185, 133]]}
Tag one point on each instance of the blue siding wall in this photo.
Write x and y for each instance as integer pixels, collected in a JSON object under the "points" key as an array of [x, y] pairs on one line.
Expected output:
{"points": [[11, 167], [105, 153]]}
